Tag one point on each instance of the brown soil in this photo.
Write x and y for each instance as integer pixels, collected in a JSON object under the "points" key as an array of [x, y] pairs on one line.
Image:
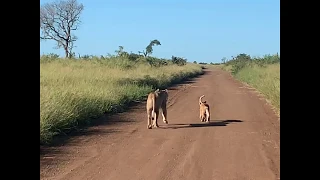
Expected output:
{"points": [[242, 141]]}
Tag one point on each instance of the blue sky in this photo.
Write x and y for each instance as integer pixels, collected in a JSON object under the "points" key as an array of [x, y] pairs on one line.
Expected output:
{"points": [[202, 31]]}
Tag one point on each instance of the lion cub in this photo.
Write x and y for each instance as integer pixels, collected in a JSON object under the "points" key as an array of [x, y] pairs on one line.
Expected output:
{"points": [[204, 110], [156, 100]]}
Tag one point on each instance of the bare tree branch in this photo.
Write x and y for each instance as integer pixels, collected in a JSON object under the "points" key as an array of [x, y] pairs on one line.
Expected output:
{"points": [[58, 20]]}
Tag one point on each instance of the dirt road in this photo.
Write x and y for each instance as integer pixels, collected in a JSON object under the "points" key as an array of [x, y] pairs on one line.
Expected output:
{"points": [[242, 142]]}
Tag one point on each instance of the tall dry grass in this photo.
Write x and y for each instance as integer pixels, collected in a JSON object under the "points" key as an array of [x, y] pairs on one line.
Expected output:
{"points": [[265, 79], [74, 91], [262, 73]]}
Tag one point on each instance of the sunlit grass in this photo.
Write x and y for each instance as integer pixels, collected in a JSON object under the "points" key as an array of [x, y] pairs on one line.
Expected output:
{"points": [[74, 91]]}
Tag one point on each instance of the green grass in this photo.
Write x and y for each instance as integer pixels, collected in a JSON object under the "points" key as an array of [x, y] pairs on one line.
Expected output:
{"points": [[72, 92], [227, 68], [266, 79]]}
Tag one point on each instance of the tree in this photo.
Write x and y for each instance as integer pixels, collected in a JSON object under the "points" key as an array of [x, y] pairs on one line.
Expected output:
{"points": [[121, 53], [58, 20], [149, 48], [243, 57], [223, 60]]}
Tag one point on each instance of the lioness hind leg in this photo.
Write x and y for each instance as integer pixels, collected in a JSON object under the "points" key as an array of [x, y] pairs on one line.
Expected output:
{"points": [[164, 114], [149, 120], [201, 118], [207, 115], [149, 123], [155, 120]]}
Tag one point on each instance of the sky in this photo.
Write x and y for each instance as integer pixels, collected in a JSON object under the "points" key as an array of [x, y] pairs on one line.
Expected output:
{"points": [[202, 31]]}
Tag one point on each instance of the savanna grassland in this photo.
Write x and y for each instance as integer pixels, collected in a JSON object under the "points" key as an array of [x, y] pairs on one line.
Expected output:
{"points": [[262, 73], [74, 91]]}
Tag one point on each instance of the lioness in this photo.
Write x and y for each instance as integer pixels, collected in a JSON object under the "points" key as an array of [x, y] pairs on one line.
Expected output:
{"points": [[156, 100], [204, 110]]}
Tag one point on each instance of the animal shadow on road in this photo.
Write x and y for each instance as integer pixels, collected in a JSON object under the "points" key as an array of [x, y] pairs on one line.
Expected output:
{"points": [[204, 124]]}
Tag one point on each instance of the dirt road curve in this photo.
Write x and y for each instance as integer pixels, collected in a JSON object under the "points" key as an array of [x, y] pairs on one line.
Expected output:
{"points": [[242, 142]]}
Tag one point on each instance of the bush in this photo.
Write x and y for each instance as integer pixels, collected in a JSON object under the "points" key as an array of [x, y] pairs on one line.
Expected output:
{"points": [[134, 57], [243, 60], [178, 61]]}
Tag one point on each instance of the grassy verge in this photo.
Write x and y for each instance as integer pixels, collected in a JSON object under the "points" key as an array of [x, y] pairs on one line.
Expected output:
{"points": [[265, 79], [261, 73], [74, 91]]}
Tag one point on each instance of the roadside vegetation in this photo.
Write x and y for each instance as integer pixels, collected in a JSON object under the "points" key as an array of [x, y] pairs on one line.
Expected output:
{"points": [[262, 73], [73, 91]]}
